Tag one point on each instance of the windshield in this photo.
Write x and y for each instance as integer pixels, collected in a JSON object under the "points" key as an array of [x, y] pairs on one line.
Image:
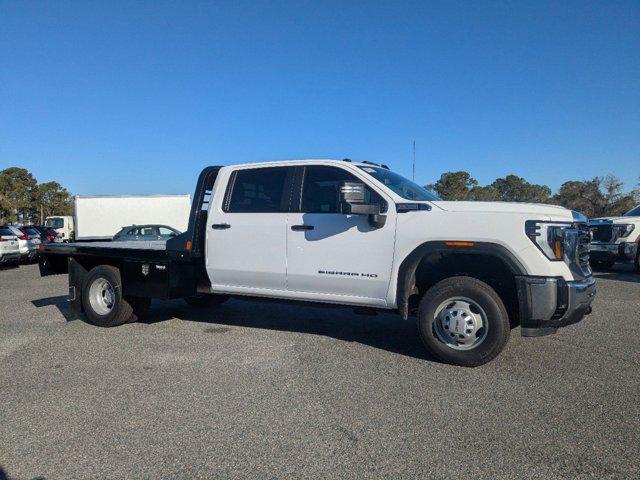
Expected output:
{"points": [[400, 185], [633, 213], [56, 222]]}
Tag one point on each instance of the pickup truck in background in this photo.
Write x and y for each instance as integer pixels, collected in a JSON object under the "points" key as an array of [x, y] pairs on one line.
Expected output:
{"points": [[353, 234], [616, 239]]}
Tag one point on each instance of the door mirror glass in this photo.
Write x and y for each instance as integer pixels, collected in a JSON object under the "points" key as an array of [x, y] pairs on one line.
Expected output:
{"points": [[352, 200]]}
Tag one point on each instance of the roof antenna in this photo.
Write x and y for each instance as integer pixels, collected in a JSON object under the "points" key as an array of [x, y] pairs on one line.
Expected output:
{"points": [[414, 162]]}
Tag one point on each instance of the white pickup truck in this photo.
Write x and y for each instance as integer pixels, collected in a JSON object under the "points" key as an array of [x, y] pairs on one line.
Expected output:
{"points": [[356, 234], [616, 239]]}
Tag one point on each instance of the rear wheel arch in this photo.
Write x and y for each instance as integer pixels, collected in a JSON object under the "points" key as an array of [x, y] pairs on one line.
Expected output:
{"points": [[408, 282]]}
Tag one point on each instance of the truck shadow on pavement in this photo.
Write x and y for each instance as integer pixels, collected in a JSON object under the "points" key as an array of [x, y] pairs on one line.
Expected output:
{"points": [[4, 476], [622, 273], [383, 331], [60, 302]]}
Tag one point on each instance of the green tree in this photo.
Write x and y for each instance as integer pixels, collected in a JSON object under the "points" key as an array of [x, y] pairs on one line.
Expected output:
{"points": [[53, 199], [17, 190], [584, 196], [454, 185], [516, 189], [485, 194], [597, 197], [617, 202]]}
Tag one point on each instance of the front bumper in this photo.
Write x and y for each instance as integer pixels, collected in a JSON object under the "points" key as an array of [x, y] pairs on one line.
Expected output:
{"points": [[622, 251], [548, 303], [10, 257]]}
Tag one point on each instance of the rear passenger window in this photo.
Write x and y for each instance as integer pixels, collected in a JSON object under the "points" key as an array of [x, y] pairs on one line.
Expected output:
{"points": [[6, 232], [258, 190]]}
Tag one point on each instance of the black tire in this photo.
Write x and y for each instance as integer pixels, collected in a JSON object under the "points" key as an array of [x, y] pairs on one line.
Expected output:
{"points": [[206, 300], [498, 328], [120, 312], [140, 306], [602, 265], [637, 261]]}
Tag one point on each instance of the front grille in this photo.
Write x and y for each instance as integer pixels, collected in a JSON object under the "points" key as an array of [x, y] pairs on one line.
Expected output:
{"points": [[582, 248], [602, 233]]}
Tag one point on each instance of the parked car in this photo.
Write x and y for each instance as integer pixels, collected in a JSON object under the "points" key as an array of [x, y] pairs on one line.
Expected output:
{"points": [[352, 234], [146, 232], [9, 248], [28, 241], [48, 234], [615, 239]]}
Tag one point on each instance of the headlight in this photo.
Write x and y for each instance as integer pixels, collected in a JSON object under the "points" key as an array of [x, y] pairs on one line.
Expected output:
{"points": [[623, 230], [549, 237]]}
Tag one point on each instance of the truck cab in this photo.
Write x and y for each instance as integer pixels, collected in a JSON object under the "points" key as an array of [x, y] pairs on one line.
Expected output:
{"points": [[63, 225], [359, 235]]}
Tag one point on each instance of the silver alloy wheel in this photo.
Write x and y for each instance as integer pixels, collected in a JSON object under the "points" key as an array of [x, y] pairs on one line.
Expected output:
{"points": [[101, 296], [460, 323]]}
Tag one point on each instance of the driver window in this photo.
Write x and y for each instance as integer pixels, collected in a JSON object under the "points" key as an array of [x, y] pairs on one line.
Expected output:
{"points": [[321, 189]]}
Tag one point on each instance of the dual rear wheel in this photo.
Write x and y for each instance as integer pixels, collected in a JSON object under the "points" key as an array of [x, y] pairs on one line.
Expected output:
{"points": [[461, 320], [105, 306]]}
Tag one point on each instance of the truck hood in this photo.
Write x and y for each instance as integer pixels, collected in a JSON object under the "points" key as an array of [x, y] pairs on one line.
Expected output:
{"points": [[555, 212], [616, 219]]}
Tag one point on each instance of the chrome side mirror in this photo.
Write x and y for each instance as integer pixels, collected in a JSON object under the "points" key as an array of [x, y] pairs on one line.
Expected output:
{"points": [[352, 201]]}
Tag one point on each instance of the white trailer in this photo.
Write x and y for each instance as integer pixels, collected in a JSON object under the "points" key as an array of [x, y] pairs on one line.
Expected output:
{"points": [[100, 217]]}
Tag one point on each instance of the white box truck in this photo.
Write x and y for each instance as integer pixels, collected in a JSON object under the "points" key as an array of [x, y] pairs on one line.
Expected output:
{"points": [[100, 217]]}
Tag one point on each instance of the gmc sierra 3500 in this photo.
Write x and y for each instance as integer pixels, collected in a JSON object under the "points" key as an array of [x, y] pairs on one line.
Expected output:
{"points": [[357, 234]]}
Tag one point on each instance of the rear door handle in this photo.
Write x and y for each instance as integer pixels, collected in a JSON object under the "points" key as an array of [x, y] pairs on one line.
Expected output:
{"points": [[299, 228], [220, 226]]}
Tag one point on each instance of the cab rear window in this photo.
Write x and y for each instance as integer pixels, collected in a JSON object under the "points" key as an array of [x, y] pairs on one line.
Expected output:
{"points": [[6, 232]]}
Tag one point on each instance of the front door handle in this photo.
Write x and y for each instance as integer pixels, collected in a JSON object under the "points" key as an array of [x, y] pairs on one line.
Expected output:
{"points": [[220, 226], [299, 228]]}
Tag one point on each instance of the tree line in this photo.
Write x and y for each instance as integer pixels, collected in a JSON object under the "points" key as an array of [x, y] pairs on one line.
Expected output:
{"points": [[598, 197], [24, 200]]}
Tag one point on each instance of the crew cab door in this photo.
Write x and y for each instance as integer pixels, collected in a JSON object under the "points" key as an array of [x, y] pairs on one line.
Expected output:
{"points": [[246, 232], [333, 256]]}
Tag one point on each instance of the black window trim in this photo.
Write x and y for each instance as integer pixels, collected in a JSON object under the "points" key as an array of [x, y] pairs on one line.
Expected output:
{"points": [[299, 182], [285, 201]]}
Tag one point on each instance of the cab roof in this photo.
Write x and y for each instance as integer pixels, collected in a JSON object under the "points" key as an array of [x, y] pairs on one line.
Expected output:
{"points": [[308, 160]]}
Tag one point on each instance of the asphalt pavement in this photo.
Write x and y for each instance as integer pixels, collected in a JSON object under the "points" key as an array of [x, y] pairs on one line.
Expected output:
{"points": [[264, 390]]}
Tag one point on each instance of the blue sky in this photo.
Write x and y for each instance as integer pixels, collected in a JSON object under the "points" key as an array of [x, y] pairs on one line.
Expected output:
{"points": [[136, 97]]}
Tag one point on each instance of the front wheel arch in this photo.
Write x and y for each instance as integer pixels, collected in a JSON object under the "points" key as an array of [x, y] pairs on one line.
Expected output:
{"points": [[407, 282]]}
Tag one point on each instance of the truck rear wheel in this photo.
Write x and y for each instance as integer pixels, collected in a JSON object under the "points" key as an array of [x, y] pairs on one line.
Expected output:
{"points": [[102, 297], [463, 321], [206, 300]]}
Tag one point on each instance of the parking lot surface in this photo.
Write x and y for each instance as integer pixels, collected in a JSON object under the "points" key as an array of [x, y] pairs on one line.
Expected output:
{"points": [[263, 390]]}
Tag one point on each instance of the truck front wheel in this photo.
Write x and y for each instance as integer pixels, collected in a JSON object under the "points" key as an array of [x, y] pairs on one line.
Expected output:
{"points": [[206, 300], [102, 297], [463, 321]]}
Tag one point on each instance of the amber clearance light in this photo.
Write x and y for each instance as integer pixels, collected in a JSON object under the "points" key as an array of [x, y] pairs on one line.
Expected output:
{"points": [[459, 244]]}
